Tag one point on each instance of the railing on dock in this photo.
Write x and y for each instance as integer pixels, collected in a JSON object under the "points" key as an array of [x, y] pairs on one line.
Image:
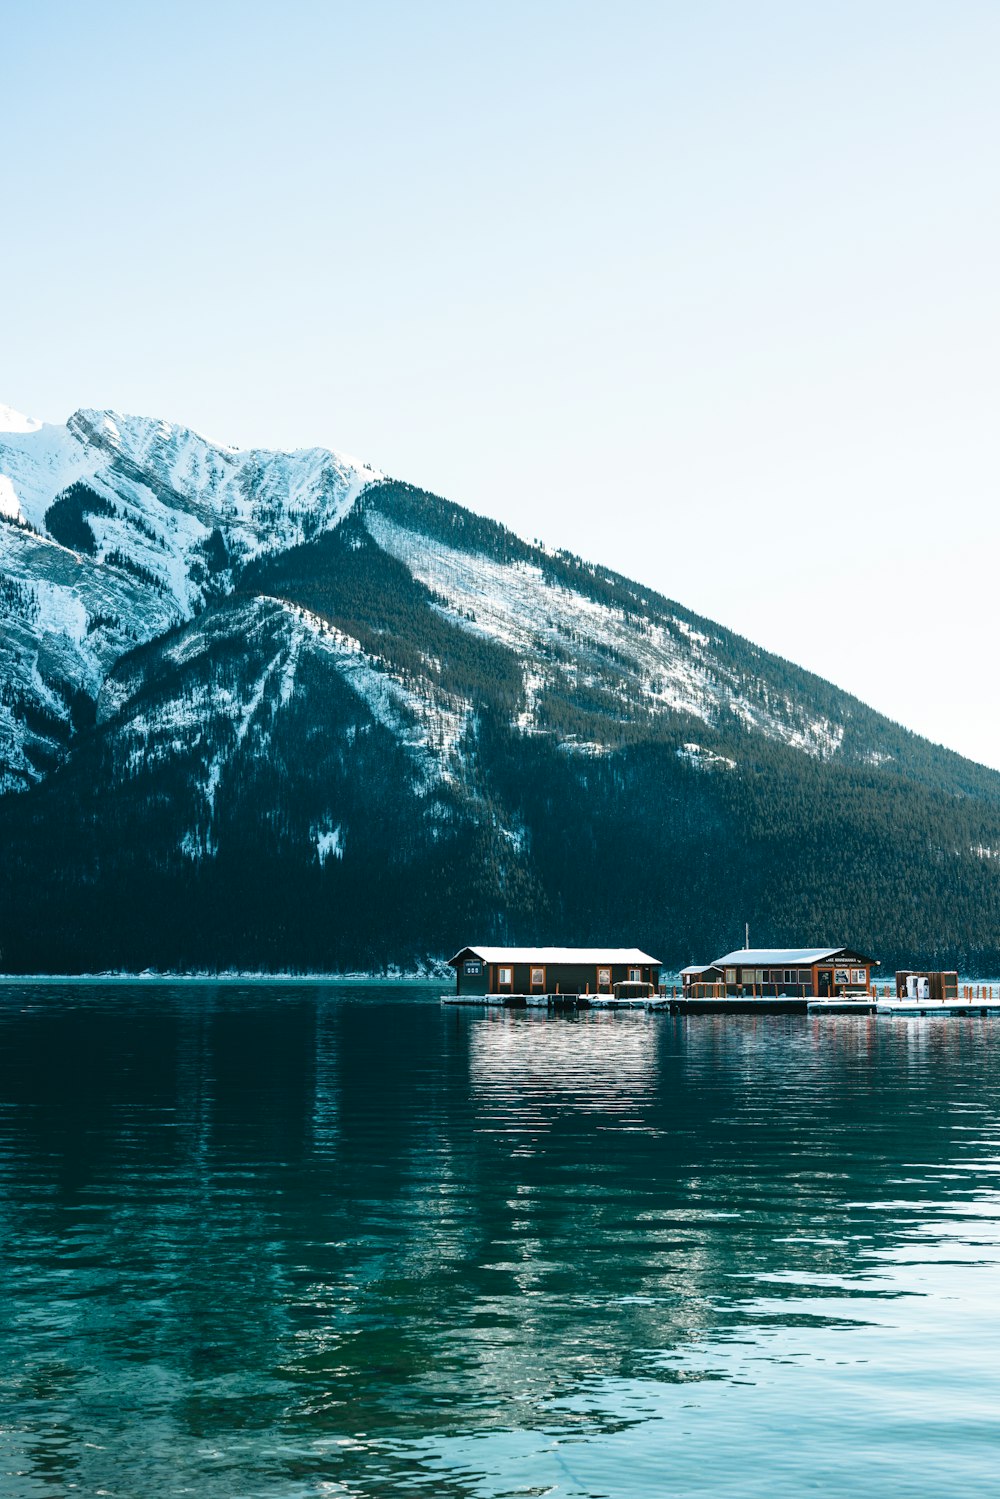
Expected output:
{"points": [[980, 993]]}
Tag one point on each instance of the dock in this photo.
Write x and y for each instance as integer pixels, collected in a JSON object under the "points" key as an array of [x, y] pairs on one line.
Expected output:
{"points": [[673, 1003], [676, 1003], [932, 1007]]}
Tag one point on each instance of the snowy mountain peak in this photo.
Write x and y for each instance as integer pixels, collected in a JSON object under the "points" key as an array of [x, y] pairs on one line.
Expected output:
{"points": [[113, 528], [16, 421], [145, 439]]}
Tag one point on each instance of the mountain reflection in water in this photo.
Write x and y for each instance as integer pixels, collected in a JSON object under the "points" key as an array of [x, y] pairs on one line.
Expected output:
{"points": [[313, 1240]]}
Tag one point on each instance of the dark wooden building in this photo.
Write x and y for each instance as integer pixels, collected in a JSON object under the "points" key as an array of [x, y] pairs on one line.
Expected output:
{"points": [[795, 972], [551, 970]]}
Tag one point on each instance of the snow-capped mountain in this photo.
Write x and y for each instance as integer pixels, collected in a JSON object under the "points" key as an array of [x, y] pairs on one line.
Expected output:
{"points": [[324, 718], [117, 528], [114, 529]]}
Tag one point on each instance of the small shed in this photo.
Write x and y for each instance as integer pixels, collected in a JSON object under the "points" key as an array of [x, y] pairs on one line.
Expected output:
{"points": [[699, 980], [796, 972], [923, 983], [551, 970]]}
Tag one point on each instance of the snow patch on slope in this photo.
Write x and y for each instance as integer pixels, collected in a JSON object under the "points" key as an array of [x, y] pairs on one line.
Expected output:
{"points": [[40, 462], [329, 841], [431, 728], [208, 719], [516, 604], [700, 758], [661, 664], [10, 505], [62, 610]]}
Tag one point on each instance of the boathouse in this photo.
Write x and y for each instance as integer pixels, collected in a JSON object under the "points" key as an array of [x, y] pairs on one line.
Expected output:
{"points": [[553, 970], [793, 972]]}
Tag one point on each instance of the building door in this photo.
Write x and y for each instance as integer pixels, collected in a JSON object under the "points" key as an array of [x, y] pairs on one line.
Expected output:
{"points": [[604, 980], [824, 985]]}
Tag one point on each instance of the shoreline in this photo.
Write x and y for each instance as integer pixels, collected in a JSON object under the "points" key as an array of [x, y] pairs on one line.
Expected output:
{"points": [[151, 979]]}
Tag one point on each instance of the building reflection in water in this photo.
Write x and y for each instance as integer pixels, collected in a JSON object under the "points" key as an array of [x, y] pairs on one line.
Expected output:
{"points": [[526, 1070]]}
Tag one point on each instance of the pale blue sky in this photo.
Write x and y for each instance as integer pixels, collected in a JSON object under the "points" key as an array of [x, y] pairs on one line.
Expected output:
{"points": [[708, 291]]}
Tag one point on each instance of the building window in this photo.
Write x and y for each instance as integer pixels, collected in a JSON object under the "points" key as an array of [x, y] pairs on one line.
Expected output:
{"points": [[473, 970], [635, 975], [730, 975], [505, 977], [537, 978], [859, 975]]}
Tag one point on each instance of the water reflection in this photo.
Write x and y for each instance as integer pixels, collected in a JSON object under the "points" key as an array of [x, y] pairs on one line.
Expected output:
{"points": [[527, 1069], [258, 1240]]}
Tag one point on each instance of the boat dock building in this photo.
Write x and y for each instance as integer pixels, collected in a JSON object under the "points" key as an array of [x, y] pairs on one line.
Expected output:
{"points": [[547, 974], [782, 973]]}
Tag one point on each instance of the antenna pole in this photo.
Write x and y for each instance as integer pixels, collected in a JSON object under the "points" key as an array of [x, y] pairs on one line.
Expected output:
{"points": [[746, 944]]}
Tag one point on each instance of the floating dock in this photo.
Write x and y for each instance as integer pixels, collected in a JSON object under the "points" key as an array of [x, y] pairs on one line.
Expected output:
{"points": [[931, 1007], [558, 1001], [674, 1003], [677, 1004]]}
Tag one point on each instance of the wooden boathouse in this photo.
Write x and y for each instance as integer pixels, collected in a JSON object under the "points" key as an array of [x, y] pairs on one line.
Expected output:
{"points": [[512, 973], [785, 973]]}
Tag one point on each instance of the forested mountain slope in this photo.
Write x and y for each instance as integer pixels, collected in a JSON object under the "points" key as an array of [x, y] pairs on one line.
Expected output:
{"points": [[274, 710]]}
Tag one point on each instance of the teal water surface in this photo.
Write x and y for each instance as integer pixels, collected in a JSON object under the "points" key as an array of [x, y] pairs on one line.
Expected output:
{"points": [[316, 1240]]}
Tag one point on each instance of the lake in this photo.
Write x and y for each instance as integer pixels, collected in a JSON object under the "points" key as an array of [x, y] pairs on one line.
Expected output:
{"points": [[290, 1240]]}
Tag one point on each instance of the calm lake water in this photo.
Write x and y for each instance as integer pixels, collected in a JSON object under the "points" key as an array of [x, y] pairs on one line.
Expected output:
{"points": [[293, 1240]]}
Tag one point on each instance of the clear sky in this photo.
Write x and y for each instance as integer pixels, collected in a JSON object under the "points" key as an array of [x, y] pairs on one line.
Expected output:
{"points": [[708, 291]]}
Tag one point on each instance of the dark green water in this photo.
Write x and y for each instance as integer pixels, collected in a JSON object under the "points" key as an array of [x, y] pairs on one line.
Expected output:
{"points": [[287, 1241]]}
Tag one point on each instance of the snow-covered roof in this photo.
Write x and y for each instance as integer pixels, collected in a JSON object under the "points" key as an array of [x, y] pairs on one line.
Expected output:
{"points": [[542, 955], [694, 968], [781, 957]]}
